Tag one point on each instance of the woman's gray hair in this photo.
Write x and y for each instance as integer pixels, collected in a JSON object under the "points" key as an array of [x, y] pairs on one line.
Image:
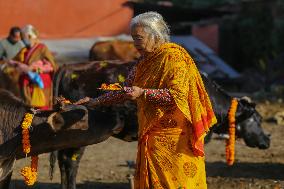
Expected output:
{"points": [[153, 24], [31, 31]]}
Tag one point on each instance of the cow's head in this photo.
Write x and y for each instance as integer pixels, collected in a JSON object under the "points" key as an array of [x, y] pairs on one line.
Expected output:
{"points": [[64, 117], [249, 125], [70, 117]]}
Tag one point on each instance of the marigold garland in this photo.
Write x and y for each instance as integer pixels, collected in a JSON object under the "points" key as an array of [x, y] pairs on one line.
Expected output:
{"points": [[230, 143], [29, 173]]}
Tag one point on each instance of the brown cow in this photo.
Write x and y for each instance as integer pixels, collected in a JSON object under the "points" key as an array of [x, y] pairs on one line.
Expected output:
{"points": [[113, 50]]}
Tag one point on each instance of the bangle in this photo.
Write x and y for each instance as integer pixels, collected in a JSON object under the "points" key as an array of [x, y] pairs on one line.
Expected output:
{"points": [[145, 94]]}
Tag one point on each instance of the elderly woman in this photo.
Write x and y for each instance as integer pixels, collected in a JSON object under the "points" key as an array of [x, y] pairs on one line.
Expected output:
{"points": [[174, 110], [36, 65]]}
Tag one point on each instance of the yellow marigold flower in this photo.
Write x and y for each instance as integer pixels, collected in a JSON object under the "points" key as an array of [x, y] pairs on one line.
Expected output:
{"points": [[29, 173]]}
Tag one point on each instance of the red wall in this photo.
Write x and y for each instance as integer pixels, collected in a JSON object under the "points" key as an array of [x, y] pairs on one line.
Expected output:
{"points": [[208, 34], [66, 18]]}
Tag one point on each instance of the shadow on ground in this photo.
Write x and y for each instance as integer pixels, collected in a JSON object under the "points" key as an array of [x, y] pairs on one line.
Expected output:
{"points": [[241, 173], [19, 184], [246, 170]]}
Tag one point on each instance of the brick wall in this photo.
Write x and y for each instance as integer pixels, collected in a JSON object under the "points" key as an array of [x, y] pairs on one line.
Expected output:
{"points": [[66, 18]]}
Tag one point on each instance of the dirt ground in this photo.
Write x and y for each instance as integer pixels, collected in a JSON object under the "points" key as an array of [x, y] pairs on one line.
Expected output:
{"points": [[104, 165]]}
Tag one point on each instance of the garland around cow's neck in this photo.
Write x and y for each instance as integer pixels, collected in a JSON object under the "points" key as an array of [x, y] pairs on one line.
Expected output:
{"points": [[230, 143], [29, 172]]}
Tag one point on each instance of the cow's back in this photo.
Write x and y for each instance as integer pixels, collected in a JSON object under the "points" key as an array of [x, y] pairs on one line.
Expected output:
{"points": [[113, 50], [83, 79]]}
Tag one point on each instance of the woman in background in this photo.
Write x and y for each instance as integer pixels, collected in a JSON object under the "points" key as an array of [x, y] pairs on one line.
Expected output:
{"points": [[36, 66]]}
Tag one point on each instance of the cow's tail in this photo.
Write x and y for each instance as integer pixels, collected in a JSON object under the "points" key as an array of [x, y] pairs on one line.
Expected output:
{"points": [[56, 82], [52, 161]]}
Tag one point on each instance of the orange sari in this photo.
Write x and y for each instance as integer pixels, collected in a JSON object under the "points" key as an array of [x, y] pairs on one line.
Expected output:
{"points": [[171, 149]]}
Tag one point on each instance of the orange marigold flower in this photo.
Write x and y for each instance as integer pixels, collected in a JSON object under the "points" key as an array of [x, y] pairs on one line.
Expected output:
{"points": [[230, 143], [25, 132], [26, 137]]}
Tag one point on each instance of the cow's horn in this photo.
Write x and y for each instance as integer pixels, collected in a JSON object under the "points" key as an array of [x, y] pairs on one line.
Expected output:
{"points": [[248, 99]]}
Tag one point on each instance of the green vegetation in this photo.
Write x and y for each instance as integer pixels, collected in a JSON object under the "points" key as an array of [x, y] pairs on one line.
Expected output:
{"points": [[246, 40], [252, 38]]}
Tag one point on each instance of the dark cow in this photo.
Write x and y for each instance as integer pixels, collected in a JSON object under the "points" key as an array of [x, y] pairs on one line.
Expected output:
{"points": [[70, 78], [248, 120], [68, 126], [79, 80], [44, 125]]}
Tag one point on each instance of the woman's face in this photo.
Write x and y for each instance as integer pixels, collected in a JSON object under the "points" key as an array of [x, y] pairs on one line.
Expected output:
{"points": [[143, 41], [28, 40]]}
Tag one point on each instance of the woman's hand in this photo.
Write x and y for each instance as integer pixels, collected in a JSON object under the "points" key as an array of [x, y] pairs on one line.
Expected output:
{"points": [[21, 67], [133, 92], [83, 101], [13, 62]]}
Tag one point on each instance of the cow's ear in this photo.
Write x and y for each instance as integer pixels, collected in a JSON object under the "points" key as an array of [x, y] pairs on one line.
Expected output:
{"points": [[253, 104], [70, 117], [56, 121]]}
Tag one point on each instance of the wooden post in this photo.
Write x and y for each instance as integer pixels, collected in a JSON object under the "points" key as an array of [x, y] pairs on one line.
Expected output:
{"points": [[130, 178]]}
